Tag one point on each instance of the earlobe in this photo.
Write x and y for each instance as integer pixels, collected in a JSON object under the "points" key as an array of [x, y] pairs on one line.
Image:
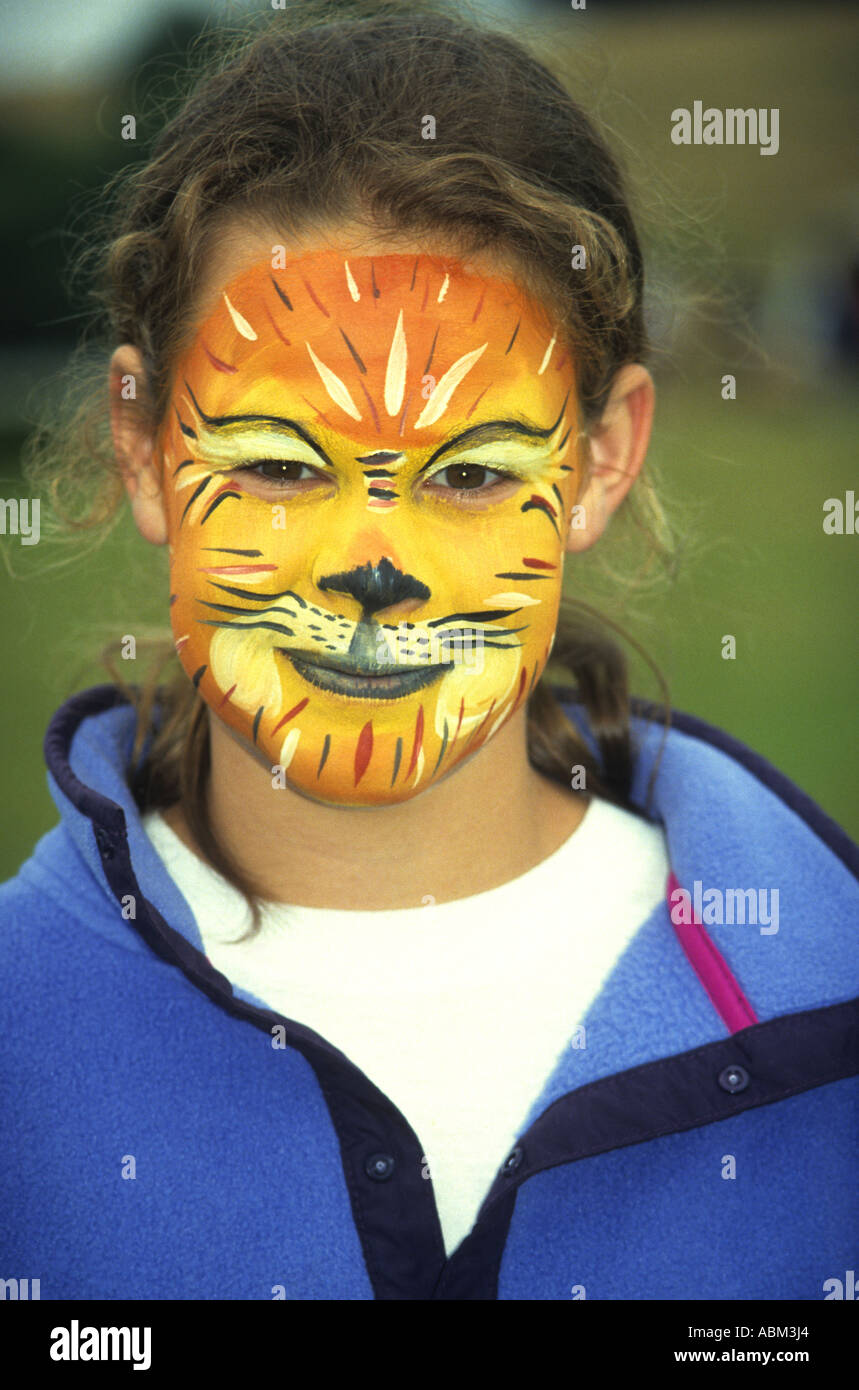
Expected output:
{"points": [[134, 444]]}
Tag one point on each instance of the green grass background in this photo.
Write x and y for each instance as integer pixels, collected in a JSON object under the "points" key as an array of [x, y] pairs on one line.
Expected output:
{"points": [[748, 477]]}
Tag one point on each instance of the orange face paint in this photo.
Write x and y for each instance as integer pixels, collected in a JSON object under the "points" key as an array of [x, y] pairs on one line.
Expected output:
{"points": [[370, 466]]}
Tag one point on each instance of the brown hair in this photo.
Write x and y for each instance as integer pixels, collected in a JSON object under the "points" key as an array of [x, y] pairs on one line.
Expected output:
{"points": [[298, 123]]}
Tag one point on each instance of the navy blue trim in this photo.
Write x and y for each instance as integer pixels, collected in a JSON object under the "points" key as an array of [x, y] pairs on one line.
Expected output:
{"points": [[57, 747], [779, 1058], [393, 1206]]}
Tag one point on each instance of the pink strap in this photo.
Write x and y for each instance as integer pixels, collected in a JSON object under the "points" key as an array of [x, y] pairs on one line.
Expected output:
{"points": [[711, 968]]}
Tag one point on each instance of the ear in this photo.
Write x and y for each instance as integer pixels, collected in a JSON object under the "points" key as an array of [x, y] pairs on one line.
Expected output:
{"points": [[617, 447], [134, 444]]}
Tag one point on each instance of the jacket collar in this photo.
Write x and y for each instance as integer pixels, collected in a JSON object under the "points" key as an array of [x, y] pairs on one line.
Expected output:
{"points": [[730, 820]]}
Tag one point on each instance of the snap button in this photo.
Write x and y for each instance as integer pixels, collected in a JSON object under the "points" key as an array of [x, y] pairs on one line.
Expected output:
{"points": [[734, 1079], [104, 843], [512, 1161], [379, 1167]]}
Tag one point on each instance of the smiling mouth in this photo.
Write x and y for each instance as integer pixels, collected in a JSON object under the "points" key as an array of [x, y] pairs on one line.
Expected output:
{"points": [[347, 678]]}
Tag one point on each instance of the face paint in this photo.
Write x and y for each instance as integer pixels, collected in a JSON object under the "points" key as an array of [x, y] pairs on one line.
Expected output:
{"points": [[369, 467]]}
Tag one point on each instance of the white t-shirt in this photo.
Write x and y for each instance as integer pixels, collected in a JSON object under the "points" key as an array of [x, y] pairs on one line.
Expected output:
{"points": [[458, 1011]]}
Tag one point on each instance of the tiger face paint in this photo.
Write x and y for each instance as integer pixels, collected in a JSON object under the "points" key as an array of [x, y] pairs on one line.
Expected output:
{"points": [[369, 467]]}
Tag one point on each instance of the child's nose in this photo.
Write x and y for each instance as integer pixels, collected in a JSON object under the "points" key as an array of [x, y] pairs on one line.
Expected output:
{"points": [[376, 586]]}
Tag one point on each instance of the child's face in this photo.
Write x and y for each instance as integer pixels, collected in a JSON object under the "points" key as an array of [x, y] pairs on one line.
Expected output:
{"points": [[369, 466]]}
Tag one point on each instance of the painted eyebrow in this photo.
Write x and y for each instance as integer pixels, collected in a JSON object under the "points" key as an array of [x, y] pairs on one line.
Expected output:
{"points": [[487, 432], [272, 422], [492, 430]]}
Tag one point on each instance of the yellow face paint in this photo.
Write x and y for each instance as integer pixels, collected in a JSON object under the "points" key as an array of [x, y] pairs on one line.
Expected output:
{"points": [[370, 467]]}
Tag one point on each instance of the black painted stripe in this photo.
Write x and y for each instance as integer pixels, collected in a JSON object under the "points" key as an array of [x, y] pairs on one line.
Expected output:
{"points": [[488, 615], [271, 627], [224, 497], [513, 574], [540, 507], [441, 751], [196, 493], [325, 747], [284, 298], [358, 362], [225, 550]]}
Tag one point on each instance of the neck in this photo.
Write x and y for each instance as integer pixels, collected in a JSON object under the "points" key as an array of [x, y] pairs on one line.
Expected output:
{"points": [[489, 821]]}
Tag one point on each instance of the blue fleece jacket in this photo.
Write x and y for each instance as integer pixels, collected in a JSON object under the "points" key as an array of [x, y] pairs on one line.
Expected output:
{"points": [[157, 1145]]}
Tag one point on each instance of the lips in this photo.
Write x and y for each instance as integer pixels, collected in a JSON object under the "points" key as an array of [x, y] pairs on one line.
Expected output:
{"points": [[347, 678]]}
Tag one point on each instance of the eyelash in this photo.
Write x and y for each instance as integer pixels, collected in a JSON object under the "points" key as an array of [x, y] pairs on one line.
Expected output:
{"points": [[500, 476], [276, 482]]}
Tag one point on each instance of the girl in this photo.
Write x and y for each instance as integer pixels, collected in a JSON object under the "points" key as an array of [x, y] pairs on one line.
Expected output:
{"points": [[373, 967]]}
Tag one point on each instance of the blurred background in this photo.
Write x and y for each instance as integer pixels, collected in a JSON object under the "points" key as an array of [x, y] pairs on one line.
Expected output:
{"points": [[744, 480]]}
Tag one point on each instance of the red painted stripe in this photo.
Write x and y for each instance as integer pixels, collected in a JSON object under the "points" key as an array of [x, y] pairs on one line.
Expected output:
{"points": [[234, 569], [276, 329], [482, 724], [227, 696], [217, 363], [470, 411], [538, 564], [309, 289], [363, 750], [405, 412], [418, 740], [319, 414], [296, 709], [541, 502]]}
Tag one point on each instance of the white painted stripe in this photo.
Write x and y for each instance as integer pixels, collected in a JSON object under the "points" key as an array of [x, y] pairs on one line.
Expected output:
{"points": [[336, 389], [511, 598], [290, 743], [545, 362], [395, 374], [240, 322], [350, 281], [440, 396]]}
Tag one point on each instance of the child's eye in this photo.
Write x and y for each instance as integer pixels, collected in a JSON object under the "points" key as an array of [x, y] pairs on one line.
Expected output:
{"points": [[279, 471], [470, 477]]}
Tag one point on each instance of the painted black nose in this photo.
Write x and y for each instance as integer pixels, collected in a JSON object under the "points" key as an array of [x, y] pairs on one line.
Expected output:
{"points": [[375, 586]]}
